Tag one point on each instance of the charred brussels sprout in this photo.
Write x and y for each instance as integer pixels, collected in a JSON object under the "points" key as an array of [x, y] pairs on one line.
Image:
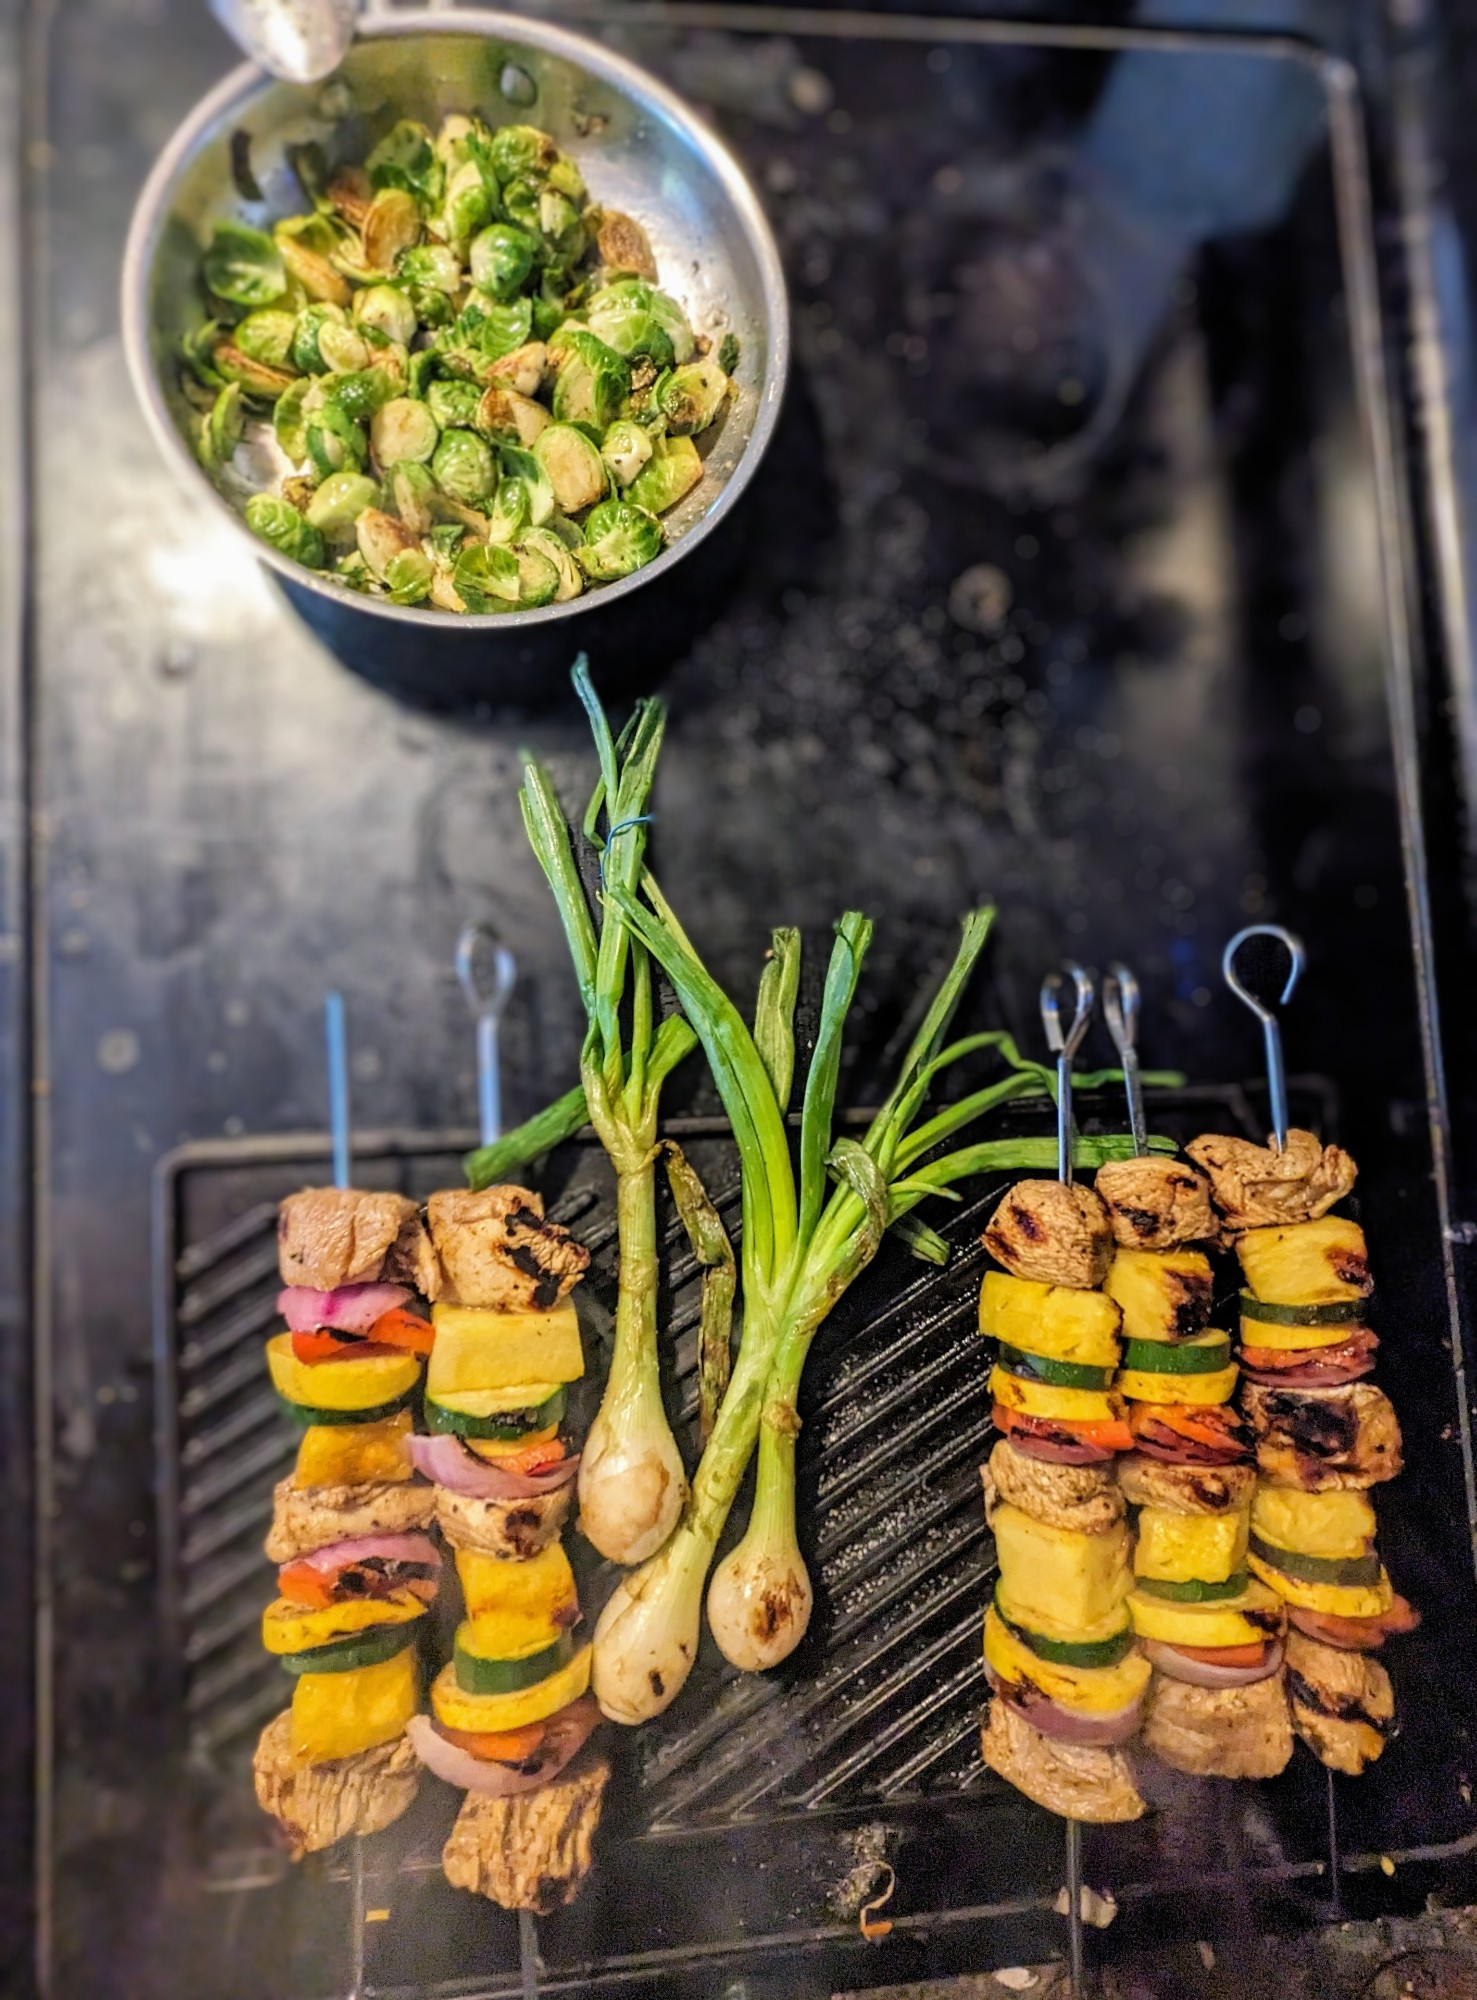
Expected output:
{"points": [[381, 538], [691, 397], [403, 429], [257, 378], [279, 523], [626, 447], [635, 318], [244, 266], [463, 467], [619, 537], [501, 259], [592, 383]]}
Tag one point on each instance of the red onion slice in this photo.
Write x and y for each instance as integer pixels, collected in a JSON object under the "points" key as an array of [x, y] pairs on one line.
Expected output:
{"points": [[447, 1460], [1068, 1725], [364, 1548], [566, 1734], [351, 1309], [1199, 1673], [1312, 1374]]}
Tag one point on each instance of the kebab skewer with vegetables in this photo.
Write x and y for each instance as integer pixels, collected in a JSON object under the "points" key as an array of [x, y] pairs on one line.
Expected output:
{"points": [[1211, 1630], [357, 1568], [1067, 1679], [1324, 1434]]}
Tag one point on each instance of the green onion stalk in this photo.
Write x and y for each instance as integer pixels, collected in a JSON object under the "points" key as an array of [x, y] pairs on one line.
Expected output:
{"points": [[631, 1480], [804, 1242]]}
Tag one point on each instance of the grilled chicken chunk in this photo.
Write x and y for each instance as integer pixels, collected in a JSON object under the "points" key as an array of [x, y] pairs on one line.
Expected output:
{"points": [[531, 1851], [1066, 1778], [496, 1249], [1255, 1186], [1235, 1732], [305, 1518], [511, 1529], [327, 1237], [1184, 1489], [1319, 1439], [1156, 1204], [1081, 1497], [1054, 1234], [1342, 1703], [317, 1804]]}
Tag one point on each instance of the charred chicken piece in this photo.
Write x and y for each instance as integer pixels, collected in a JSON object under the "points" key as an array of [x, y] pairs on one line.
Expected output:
{"points": [[1057, 1235], [1185, 1489], [1235, 1732], [1256, 1186], [328, 1237], [531, 1851], [1156, 1204], [497, 1250], [1071, 1779], [1319, 1439], [1084, 1498], [513, 1530], [317, 1804], [305, 1518], [1342, 1703]]}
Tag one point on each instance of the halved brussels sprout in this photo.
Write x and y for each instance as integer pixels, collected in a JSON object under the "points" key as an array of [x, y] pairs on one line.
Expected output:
{"points": [[257, 378], [282, 525], [467, 207], [492, 331], [408, 577], [560, 225], [339, 502], [501, 258], [522, 369], [289, 418], [221, 428], [335, 442], [389, 310], [522, 199], [403, 429], [624, 247], [521, 149], [633, 317], [592, 383], [544, 542], [691, 397], [406, 158], [525, 468], [307, 354], [267, 336], [430, 267], [539, 578], [343, 348], [243, 265], [311, 268], [619, 537], [463, 467], [413, 496], [453, 404], [575, 469], [674, 470], [368, 389], [381, 538], [392, 226], [503, 413], [508, 515], [625, 448], [486, 578], [564, 175]]}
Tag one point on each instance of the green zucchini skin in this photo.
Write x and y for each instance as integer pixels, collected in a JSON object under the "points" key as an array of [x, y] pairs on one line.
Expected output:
{"points": [[1342, 1312], [361, 1649], [1363, 1569], [506, 1427], [1069, 1652], [1058, 1374], [1163, 1357], [307, 1416], [1195, 1591], [477, 1675]]}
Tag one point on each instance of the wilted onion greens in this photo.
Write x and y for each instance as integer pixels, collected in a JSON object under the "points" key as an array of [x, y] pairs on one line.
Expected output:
{"points": [[478, 394]]}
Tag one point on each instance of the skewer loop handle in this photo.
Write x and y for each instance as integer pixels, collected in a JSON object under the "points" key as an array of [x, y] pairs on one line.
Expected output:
{"points": [[1121, 1012], [1271, 1031], [487, 972], [1064, 1042]]}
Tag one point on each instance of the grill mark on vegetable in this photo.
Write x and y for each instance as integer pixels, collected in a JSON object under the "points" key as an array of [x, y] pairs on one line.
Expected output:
{"points": [[1269, 1622], [523, 1526], [1351, 1268], [1343, 1708], [1191, 1309]]}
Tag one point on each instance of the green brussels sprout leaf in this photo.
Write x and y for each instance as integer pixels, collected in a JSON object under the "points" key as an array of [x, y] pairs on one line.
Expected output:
{"points": [[619, 537], [243, 265], [463, 467], [673, 471], [486, 578], [278, 522]]}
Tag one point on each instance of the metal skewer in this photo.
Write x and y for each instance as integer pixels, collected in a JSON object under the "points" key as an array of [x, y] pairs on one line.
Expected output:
{"points": [[336, 1031], [478, 953], [1121, 1012], [1064, 1042], [1271, 1032], [488, 973]]}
